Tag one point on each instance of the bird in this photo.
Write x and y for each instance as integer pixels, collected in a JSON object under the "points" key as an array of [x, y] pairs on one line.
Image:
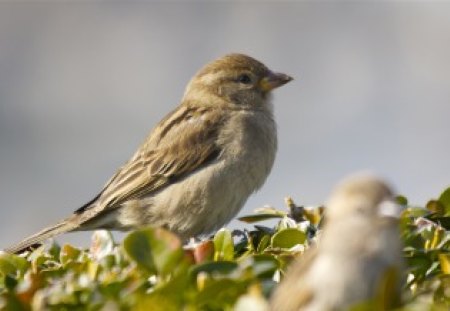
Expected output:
{"points": [[199, 164], [357, 258]]}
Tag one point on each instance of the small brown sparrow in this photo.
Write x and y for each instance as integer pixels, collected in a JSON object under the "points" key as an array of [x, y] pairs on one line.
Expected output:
{"points": [[198, 166], [357, 255]]}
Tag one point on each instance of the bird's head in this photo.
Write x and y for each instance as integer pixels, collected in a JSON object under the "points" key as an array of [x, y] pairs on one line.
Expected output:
{"points": [[238, 79], [362, 194]]}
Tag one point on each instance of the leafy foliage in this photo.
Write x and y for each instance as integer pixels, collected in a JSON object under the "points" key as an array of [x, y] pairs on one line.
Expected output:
{"points": [[231, 271]]}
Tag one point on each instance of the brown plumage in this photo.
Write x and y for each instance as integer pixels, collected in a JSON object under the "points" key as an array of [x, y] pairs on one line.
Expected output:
{"points": [[198, 165], [357, 256]]}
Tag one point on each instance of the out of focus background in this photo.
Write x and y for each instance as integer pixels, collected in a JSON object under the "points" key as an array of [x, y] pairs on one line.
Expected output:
{"points": [[81, 84]]}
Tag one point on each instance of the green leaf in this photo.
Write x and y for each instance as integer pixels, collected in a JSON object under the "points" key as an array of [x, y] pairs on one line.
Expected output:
{"points": [[216, 267], [223, 245], [387, 292], [419, 264], [12, 303], [171, 294], [156, 302], [68, 254], [258, 217], [10, 282], [263, 213], [442, 221], [138, 246], [264, 266], [264, 242], [154, 249], [436, 207], [414, 212], [444, 260], [288, 238], [401, 200], [444, 198], [11, 264], [220, 294]]}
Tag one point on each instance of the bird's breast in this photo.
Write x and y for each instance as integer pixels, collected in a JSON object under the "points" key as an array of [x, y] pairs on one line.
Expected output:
{"points": [[249, 143]]}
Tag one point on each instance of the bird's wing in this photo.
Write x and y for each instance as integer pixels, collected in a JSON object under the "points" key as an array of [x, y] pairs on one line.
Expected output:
{"points": [[183, 142]]}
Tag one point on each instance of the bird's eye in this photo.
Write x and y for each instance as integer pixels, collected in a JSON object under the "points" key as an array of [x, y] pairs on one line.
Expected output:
{"points": [[244, 78]]}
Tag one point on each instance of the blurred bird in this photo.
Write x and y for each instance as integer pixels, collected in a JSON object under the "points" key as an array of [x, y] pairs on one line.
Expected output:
{"points": [[199, 165], [358, 257]]}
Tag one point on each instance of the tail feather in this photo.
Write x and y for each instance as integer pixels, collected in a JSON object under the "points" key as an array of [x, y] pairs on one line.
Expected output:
{"points": [[47, 233]]}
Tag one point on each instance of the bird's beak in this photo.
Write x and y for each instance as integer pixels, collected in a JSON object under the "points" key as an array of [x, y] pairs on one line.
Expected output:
{"points": [[273, 80], [389, 208]]}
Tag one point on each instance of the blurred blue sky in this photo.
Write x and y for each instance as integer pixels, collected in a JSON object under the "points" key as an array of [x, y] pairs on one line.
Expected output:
{"points": [[81, 84]]}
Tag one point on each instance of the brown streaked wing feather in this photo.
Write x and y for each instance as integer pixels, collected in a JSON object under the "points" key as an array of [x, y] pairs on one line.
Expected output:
{"points": [[183, 148], [92, 202]]}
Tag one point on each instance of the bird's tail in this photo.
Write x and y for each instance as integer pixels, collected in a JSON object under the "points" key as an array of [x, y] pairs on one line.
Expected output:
{"points": [[63, 226]]}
